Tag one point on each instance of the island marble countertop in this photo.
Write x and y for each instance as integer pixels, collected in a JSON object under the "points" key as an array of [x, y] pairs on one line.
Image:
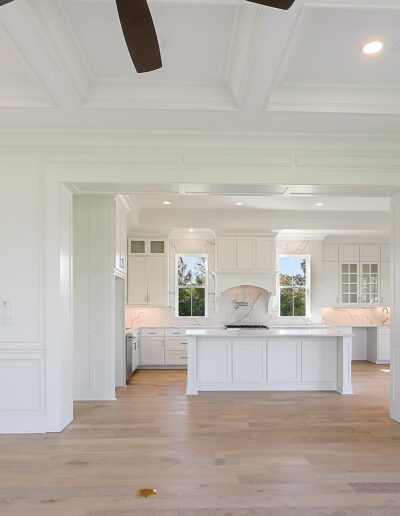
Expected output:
{"points": [[283, 332]]}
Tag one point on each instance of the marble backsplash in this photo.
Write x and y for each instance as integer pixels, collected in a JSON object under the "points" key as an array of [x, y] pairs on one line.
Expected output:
{"points": [[239, 305], [362, 317]]}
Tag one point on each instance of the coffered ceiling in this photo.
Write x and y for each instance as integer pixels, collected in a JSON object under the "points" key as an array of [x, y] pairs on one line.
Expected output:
{"points": [[229, 65]]}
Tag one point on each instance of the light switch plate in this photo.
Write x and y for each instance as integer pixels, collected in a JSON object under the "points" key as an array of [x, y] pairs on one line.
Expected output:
{"points": [[7, 318], [7, 304]]}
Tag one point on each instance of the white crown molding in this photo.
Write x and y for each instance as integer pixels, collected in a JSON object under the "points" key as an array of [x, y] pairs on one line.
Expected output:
{"points": [[335, 98]]}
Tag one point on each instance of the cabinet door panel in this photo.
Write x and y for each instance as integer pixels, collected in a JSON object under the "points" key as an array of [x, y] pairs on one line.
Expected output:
{"points": [[330, 283], [369, 283], [284, 360], [265, 253], [370, 253], [124, 241], [383, 354], [214, 361], [349, 283], [157, 281], [226, 253], [151, 351], [245, 252], [319, 358], [249, 361], [349, 252], [118, 218], [385, 253], [137, 281]]}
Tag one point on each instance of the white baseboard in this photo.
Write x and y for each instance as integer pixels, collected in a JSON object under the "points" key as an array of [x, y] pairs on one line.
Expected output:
{"points": [[22, 425], [395, 410], [96, 396]]}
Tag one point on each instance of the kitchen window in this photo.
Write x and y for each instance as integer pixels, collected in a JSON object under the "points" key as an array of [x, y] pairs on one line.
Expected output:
{"points": [[294, 285], [191, 285]]}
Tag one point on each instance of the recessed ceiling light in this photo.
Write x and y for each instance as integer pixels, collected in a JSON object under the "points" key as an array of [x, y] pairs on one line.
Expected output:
{"points": [[319, 204], [166, 202], [191, 230], [372, 47], [239, 203]]}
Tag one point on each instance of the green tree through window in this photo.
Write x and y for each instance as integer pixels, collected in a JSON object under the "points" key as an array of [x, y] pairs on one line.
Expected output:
{"points": [[293, 285], [191, 285]]}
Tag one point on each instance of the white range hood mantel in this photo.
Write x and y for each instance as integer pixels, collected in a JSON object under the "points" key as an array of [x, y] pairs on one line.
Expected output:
{"points": [[225, 281]]}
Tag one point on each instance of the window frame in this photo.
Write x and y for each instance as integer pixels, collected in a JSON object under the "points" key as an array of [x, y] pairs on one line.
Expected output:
{"points": [[307, 286], [177, 287]]}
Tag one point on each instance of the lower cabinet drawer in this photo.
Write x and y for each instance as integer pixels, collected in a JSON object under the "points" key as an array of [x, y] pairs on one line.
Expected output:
{"points": [[174, 344], [175, 357]]}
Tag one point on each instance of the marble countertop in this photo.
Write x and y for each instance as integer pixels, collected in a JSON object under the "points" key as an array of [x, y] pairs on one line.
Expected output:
{"points": [[286, 332]]}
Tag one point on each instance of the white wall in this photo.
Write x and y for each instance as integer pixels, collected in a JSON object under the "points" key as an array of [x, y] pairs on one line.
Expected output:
{"points": [[94, 298], [22, 346]]}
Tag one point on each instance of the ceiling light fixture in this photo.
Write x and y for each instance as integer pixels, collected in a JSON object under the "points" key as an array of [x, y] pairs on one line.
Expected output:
{"points": [[166, 203], [372, 47], [191, 230], [319, 204], [239, 204]]}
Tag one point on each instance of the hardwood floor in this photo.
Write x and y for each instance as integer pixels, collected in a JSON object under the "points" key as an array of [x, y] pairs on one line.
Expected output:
{"points": [[236, 454]]}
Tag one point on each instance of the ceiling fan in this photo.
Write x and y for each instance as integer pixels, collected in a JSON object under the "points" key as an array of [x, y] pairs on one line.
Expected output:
{"points": [[140, 34]]}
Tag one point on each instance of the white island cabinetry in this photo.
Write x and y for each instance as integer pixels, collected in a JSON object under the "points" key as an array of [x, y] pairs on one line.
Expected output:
{"points": [[269, 360]]}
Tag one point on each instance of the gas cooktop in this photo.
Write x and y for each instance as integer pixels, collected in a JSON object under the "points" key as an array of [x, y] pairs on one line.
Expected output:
{"points": [[246, 326]]}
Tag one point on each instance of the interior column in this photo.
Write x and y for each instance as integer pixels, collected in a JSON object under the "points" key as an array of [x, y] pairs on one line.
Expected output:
{"points": [[395, 309]]}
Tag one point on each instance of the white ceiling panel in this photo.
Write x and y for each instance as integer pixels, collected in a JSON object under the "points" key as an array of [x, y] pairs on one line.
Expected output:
{"points": [[194, 40]]}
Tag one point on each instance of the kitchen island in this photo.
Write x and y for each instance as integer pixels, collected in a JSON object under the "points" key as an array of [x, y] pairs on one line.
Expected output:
{"points": [[269, 360]]}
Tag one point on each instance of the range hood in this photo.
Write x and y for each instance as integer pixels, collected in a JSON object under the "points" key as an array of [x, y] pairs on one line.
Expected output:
{"points": [[225, 281]]}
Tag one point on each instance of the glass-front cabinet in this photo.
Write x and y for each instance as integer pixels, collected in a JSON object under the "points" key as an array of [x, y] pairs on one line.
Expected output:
{"points": [[369, 285], [349, 283], [359, 283], [147, 247]]}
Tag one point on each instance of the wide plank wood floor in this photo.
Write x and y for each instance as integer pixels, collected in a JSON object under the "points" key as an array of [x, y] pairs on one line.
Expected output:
{"points": [[232, 454]]}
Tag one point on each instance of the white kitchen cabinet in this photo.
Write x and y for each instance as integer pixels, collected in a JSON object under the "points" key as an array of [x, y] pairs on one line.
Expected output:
{"points": [[284, 360], [147, 246], [349, 252], [330, 283], [214, 361], [121, 236], [137, 247], [226, 253], [246, 253], [249, 361], [369, 283], [378, 345], [152, 351], [330, 252], [157, 281], [385, 253], [148, 280], [319, 360], [370, 253], [135, 354], [349, 283], [385, 284]]}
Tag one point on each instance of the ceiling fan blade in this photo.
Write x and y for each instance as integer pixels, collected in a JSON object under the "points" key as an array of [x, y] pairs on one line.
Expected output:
{"points": [[140, 34], [278, 4], [4, 2]]}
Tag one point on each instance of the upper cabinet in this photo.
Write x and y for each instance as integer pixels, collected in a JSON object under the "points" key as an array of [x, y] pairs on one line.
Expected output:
{"points": [[349, 253], [147, 247], [148, 271], [357, 277], [246, 253]]}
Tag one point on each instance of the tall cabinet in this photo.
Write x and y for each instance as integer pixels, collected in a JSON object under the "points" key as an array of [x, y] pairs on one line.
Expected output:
{"points": [[147, 272]]}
